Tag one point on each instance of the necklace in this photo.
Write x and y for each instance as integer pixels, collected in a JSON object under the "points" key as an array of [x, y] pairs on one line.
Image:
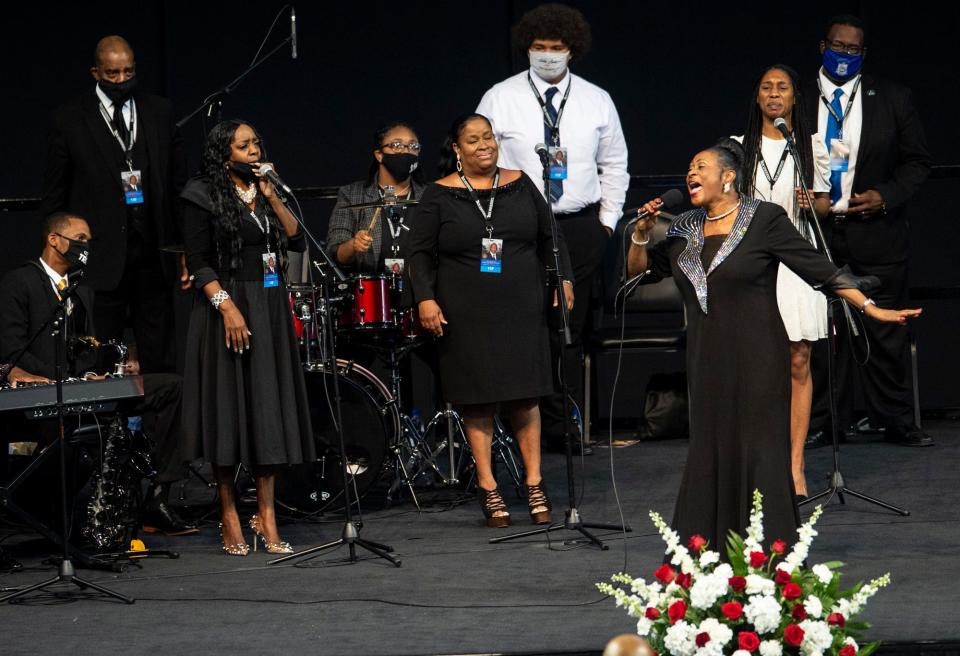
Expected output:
{"points": [[725, 214], [248, 194]]}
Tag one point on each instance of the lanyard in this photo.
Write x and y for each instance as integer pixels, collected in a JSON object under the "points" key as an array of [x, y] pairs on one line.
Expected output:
{"points": [[846, 110], [766, 172], [395, 232], [554, 127], [488, 213], [128, 146]]}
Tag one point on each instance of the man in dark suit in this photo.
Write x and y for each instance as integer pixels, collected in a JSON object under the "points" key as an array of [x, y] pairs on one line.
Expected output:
{"points": [[107, 132], [28, 296], [879, 160]]}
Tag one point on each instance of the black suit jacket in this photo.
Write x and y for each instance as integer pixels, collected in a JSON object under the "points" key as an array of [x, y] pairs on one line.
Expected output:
{"points": [[83, 176], [892, 159], [27, 299]]}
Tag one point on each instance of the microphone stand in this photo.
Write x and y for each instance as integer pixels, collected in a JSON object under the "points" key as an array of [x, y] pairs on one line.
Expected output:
{"points": [[66, 572], [837, 484], [571, 520], [349, 534]]}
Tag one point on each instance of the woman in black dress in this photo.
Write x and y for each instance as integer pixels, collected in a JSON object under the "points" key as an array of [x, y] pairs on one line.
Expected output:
{"points": [[724, 256], [490, 313], [244, 398]]}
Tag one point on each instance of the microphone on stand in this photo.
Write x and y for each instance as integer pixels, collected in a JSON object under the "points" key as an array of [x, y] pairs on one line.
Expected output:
{"points": [[781, 125], [670, 199], [266, 171], [293, 32]]}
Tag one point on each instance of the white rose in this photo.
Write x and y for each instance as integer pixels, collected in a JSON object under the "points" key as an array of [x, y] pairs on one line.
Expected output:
{"points": [[709, 558], [813, 606], [823, 573], [757, 584], [771, 648]]}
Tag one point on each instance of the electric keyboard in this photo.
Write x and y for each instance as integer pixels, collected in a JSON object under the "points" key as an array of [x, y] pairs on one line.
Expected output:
{"points": [[40, 401]]}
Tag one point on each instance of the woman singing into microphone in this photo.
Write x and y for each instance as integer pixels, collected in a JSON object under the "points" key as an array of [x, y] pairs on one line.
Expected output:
{"points": [[244, 398], [489, 312]]}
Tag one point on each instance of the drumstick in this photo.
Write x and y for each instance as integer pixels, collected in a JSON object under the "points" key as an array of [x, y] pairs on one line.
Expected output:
{"points": [[373, 221]]}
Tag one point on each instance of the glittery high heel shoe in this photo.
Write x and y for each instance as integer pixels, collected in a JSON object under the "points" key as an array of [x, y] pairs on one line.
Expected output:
{"points": [[239, 549], [271, 547]]}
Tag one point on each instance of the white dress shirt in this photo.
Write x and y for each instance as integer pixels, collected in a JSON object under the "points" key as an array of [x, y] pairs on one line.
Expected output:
{"points": [[55, 279], [852, 127], [106, 111], [589, 130]]}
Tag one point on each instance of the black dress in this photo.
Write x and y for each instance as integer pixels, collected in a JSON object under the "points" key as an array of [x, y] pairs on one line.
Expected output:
{"points": [[495, 346], [248, 407], [738, 367]]}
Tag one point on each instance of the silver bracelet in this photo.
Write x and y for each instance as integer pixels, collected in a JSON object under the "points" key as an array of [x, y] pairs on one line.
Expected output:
{"points": [[217, 299], [869, 301], [633, 239]]}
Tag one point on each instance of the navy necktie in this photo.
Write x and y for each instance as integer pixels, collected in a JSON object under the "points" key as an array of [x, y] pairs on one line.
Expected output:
{"points": [[833, 132], [556, 186]]}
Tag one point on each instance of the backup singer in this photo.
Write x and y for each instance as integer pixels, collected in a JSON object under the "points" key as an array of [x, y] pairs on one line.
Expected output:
{"points": [[489, 312], [724, 256], [245, 400], [396, 160], [770, 175]]}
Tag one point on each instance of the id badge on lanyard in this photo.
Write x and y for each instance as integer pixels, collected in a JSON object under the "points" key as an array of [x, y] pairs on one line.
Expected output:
{"points": [[271, 275]]}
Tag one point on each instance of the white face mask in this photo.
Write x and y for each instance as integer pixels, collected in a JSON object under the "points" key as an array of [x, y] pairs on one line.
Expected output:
{"points": [[549, 65]]}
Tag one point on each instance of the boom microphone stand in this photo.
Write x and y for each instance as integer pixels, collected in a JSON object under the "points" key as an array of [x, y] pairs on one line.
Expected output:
{"points": [[571, 520], [349, 535], [66, 573], [837, 484]]}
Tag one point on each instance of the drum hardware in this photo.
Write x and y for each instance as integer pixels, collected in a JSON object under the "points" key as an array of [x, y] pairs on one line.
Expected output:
{"points": [[380, 204]]}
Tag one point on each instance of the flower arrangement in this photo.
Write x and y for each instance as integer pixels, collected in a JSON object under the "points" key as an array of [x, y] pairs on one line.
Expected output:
{"points": [[763, 603]]}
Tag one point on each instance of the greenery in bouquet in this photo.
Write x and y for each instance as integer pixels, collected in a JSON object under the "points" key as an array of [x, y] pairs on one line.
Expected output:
{"points": [[760, 602]]}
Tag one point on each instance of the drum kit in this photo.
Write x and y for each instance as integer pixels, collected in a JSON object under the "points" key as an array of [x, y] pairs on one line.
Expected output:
{"points": [[383, 443]]}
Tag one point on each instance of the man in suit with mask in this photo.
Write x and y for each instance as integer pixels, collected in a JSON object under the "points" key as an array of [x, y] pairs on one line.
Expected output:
{"points": [[98, 143], [879, 160]]}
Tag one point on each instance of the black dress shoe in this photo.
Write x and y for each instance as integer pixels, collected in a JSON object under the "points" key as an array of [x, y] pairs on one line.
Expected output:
{"points": [[912, 436], [8, 564], [817, 439], [158, 517]]}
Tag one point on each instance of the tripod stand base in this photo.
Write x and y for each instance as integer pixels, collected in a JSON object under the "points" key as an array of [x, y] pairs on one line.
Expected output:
{"points": [[352, 540], [838, 487], [67, 575], [571, 522]]}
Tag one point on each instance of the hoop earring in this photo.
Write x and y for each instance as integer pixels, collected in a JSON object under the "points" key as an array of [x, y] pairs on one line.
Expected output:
{"points": [[459, 165], [726, 187]]}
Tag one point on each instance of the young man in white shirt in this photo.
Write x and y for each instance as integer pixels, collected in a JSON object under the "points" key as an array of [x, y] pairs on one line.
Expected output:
{"points": [[578, 122]]}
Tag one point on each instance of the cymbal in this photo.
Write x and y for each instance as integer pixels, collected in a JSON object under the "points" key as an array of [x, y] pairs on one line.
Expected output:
{"points": [[172, 248], [378, 203]]}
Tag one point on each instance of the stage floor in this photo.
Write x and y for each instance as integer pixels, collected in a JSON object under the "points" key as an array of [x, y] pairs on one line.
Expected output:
{"points": [[457, 594]]}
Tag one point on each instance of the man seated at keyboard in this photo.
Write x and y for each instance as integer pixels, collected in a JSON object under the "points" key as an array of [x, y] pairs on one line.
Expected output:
{"points": [[28, 296]]}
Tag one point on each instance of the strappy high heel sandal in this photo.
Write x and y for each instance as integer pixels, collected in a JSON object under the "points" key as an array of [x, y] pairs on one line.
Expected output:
{"points": [[494, 509], [271, 547], [537, 498], [238, 549]]}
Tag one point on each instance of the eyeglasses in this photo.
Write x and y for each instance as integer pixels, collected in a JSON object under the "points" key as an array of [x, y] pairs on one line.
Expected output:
{"points": [[399, 145], [839, 46]]}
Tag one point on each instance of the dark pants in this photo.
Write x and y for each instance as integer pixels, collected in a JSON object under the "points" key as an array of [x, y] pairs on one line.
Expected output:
{"points": [[586, 241], [141, 300], [884, 379], [160, 409]]}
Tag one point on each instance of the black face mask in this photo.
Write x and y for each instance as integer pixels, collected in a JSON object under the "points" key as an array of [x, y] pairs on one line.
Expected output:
{"points": [[401, 165], [77, 254], [118, 92], [244, 171]]}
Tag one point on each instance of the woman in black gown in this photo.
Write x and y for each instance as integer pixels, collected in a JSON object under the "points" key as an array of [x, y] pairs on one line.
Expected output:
{"points": [[490, 312], [244, 399], [724, 256]]}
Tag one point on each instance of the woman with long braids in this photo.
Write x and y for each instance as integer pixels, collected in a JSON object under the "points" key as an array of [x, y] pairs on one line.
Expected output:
{"points": [[244, 395], [770, 175], [724, 256], [489, 312]]}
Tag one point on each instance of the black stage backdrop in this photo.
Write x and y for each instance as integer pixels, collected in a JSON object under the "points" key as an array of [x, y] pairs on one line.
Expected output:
{"points": [[681, 74]]}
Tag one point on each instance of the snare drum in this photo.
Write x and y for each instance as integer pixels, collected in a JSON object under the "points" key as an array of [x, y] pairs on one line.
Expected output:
{"points": [[372, 306]]}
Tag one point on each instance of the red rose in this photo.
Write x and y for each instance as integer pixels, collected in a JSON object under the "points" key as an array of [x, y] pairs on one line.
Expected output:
{"points": [[848, 650], [697, 542], [757, 559], [677, 611], [837, 619], [792, 591], [793, 635], [778, 547], [799, 613], [665, 574], [652, 613], [702, 639], [782, 577], [749, 641], [732, 610], [738, 583], [685, 580]]}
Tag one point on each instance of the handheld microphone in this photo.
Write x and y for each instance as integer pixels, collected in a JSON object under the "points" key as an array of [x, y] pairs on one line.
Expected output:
{"points": [[541, 150], [266, 171], [670, 199], [293, 32], [781, 125]]}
